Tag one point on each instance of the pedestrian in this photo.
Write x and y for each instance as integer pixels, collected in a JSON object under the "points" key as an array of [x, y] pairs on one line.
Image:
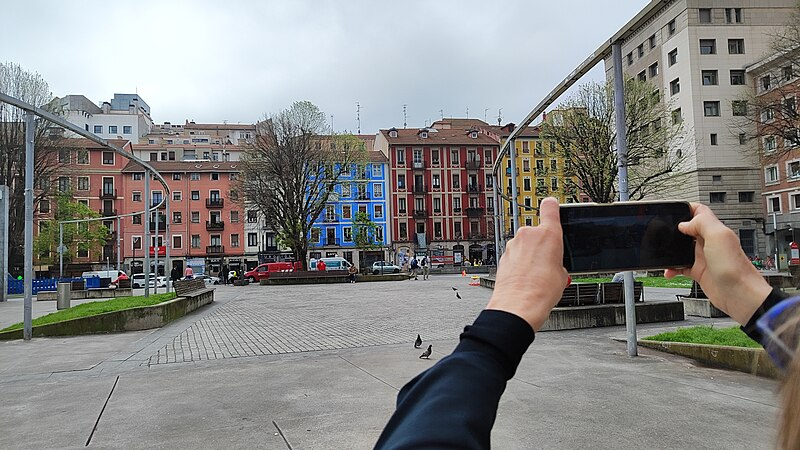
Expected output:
{"points": [[414, 266], [351, 272], [175, 274], [426, 267], [224, 274], [456, 400], [321, 266], [188, 274], [232, 276]]}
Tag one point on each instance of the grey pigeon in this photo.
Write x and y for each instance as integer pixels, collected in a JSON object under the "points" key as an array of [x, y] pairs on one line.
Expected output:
{"points": [[427, 353], [453, 288], [418, 342], [458, 296]]}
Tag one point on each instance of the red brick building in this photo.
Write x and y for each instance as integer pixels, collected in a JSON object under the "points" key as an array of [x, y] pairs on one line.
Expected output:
{"points": [[441, 190]]}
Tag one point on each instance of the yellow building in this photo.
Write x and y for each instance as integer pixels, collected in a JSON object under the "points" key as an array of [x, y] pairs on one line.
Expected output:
{"points": [[540, 171]]}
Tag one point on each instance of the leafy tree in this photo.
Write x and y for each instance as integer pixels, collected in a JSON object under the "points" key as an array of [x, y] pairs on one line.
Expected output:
{"points": [[33, 89], [292, 168], [84, 236], [583, 129]]}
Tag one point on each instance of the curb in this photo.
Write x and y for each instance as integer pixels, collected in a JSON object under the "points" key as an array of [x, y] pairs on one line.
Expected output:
{"points": [[754, 361]]}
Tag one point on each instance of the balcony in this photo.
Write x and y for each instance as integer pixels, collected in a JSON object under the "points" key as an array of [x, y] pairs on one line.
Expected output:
{"points": [[474, 188], [108, 194], [476, 236], [474, 212], [420, 213], [330, 219], [508, 171], [108, 212], [215, 225], [271, 248], [215, 202], [473, 165], [362, 196], [418, 165], [330, 242], [162, 225], [420, 189], [490, 209], [457, 210], [215, 249], [541, 171]]}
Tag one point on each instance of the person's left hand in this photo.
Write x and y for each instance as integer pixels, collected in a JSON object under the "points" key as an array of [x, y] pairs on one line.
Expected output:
{"points": [[531, 275]]}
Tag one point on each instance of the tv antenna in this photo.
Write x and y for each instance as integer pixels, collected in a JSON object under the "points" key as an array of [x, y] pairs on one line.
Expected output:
{"points": [[499, 117], [404, 117], [358, 116], [467, 112], [441, 113], [484, 113], [332, 129]]}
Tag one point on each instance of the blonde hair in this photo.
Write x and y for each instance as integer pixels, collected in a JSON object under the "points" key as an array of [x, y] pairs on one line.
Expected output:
{"points": [[789, 416]]}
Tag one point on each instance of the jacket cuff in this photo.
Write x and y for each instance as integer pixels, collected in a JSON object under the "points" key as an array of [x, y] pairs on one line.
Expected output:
{"points": [[503, 335], [772, 299]]}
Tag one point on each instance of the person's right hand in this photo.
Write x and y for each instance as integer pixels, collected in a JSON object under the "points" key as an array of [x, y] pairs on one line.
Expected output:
{"points": [[726, 275]]}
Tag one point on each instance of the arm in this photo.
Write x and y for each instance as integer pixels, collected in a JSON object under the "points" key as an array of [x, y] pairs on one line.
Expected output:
{"points": [[454, 403]]}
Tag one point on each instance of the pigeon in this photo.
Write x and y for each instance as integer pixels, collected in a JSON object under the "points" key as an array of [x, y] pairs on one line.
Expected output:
{"points": [[453, 288], [418, 342], [427, 353], [458, 296]]}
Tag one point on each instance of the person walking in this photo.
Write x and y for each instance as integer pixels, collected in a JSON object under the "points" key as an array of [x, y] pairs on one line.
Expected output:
{"points": [[414, 267], [351, 273], [426, 267]]}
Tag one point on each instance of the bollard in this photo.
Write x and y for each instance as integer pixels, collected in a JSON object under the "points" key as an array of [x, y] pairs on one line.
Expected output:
{"points": [[64, 295]]}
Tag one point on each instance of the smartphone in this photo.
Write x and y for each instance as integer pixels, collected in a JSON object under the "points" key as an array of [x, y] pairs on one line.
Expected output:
{"points": [[625, 236]]}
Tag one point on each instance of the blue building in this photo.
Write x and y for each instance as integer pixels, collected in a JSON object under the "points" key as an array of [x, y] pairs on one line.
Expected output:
{"points": [[363, 189]]}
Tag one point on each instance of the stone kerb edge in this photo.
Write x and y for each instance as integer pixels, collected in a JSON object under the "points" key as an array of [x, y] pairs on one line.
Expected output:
{"points": [[754, 361]]}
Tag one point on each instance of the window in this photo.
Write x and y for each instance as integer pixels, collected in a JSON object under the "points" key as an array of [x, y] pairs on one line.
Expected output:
{"points": [[252, 216], [713, 138], [671, 27], [177, 241], [742, 139], [457, 230], [177, 217], [401, 181], [767, 114], [454, 156], [234, 216], [436, 181], [83, 156], [235, 240], [716, 197], [789, 107], [526, 184], [126, 129], [437, 229], [214, 176], [137, 219], [711, 109], [672, 57], [456, 204], [83, 183], [652, 41], [194, 176], [489, 181], [793, 170], [138, 176], [401, 154], [630, 58], [63, 184], [733, 15], [710, 78], [771, 174], [403, 231], [64, 156], [746, 196], [736, 46], [737, 77], [252, 239], [347, 212], [456, 181], [437, 205], [526, 164], [136, 242], [788, 73], [44, 205], [176, 177], [774, 204], [675, 86], [195, 241], [177, 196], [98, 129], [640, 50], [379, 234], [653, 70], [708, 46], [112, 129], [136, 196], [401, 205], [376, 170], [195, 217], [108, 158], [716, 180], [195, 195], [347, 234], [642, 76], [765, 82], [739, 107], [676, 116], [704, 15]]}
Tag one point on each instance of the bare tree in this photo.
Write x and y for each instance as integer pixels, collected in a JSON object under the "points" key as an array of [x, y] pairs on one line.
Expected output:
{"points": [[33, 89], [291, 170], [583, 129]]}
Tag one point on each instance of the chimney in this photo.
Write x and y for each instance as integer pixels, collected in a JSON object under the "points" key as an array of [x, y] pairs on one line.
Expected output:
{"points": [[106, 107]]}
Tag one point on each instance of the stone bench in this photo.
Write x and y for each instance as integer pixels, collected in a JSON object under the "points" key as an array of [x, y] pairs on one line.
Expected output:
{"points": [[577, 294], [190, 288]]}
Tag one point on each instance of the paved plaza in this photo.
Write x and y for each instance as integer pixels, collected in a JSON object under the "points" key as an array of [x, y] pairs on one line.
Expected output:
{"points": [[319, 367]]}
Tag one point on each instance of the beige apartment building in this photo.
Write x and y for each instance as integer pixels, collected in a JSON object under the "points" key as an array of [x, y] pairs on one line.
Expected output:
{"points": [[696, 53]]}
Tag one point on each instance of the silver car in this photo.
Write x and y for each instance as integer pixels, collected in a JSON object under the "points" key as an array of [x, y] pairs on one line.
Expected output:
{"points": [[381, 267]]}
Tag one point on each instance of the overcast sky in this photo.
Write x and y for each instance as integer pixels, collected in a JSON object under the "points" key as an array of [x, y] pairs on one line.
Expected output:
{"points": [[233, 60]]}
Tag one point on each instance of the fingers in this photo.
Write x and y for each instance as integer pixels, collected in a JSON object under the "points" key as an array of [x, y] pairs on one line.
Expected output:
{"points": [[548, 213], [701, 224]]}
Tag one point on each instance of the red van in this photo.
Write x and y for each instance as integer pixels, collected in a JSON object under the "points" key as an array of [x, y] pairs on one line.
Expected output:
{"points": [[262, 272]]}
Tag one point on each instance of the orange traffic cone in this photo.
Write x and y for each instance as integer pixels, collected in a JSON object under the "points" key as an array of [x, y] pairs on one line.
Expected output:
{"points": [[463, 272]]}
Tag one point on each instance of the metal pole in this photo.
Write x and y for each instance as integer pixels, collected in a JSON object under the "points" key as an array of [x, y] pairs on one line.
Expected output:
{"points": [[512, 153], [146, 223], [155, 253], [60, 251], [497, 219], [167, 244], [119, 236], [30, 128], [622, 166], [775, 238]]}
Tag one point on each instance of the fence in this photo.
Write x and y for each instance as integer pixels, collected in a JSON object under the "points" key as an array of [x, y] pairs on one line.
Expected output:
{"points": [[48, 284]]}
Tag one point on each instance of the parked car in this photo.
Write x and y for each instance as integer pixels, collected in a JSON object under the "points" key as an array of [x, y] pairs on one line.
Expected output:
{"points": [[208, 279], [137, 281], [380, 267], [262, 272], [334, 263]]}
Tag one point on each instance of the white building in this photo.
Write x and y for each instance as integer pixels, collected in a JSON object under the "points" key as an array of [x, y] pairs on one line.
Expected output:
{"points": [[696, 53], [126, 116]]}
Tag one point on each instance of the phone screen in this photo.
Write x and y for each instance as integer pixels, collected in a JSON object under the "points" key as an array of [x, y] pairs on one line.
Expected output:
{"points": [[626, 236]]}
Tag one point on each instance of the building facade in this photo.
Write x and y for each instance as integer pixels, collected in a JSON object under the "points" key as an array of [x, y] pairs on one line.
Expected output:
{"points": [[126, 116], [695, 52]]}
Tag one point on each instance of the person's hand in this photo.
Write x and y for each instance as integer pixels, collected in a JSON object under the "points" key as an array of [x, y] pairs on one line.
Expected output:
{"points": [[726, 275], [531, 275]]}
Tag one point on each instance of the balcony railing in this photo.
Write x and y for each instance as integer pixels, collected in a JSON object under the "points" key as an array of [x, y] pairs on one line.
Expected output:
{"points": [[271, 248], [331, 242], [362, 196], [474, 212], [474, 188], [473, 165], [215, 202], [420, 189], [108, 212], [330, 219], [457, 210], [418, 165], [215, 249], [215, 225], [420, 212], [162, 225], [476, 236], [108, 194]]}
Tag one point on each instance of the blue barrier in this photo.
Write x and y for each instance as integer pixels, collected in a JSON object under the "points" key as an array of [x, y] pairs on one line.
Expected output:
{"points": [[48, 284]]}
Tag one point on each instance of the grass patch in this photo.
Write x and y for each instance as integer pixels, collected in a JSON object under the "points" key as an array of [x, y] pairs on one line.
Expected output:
{"points": [[95, 308], [703, 334], [677, 282]]}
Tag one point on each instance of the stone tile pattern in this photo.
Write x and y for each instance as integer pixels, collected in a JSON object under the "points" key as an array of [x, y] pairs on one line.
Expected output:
{"points": [[267, 320]]}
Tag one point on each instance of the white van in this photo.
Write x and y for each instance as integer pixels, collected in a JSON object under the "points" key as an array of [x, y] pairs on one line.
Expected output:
{"points": [[334, 263]]}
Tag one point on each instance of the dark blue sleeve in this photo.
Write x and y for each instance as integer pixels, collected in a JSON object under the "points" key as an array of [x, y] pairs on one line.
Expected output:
{"points": [[454, 403], [772, 299]]}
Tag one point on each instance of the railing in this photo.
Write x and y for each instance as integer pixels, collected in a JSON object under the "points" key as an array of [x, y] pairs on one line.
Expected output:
{"points": [[420, 189], [213, 225], [476, 236], [215, 249], [271, 248], [363, 196], [215, 202], [508, 171], [473, 165], [331, 242], [108, 212], [162, 225], [418, 165], [330, 219], [420, 212], [108, 194], [457, 209], [541, 172], [474, 212], [474, 188]]}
